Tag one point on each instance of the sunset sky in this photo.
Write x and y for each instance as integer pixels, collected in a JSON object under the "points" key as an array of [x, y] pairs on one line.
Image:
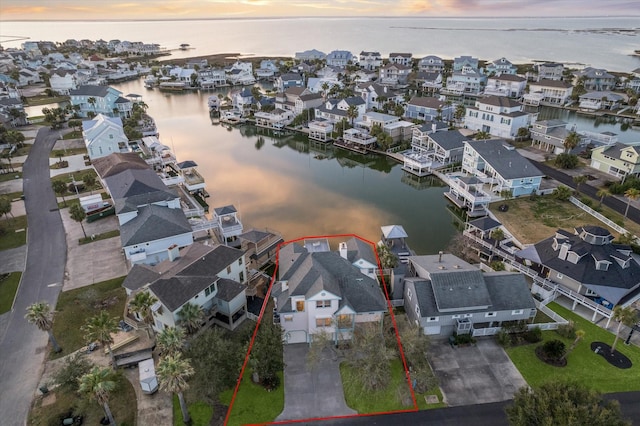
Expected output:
{"points": [[193, 9]]}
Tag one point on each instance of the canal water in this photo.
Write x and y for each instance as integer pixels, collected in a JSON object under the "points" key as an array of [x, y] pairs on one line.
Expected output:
{"points": [[284, 183]]}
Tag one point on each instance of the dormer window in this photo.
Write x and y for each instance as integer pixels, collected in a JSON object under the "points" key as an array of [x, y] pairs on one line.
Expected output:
{"points": [[602, 265]]}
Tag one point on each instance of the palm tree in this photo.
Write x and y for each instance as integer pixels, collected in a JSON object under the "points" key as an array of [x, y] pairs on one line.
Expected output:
{"points": [[579, 180], [352, 113], [60, 189], [579, 336], [624, 316], [40, 314], [89, 181], [170, 341], [98, 384], [78, 214], [631, 194], [482, 135], [173, 372], [92, 102], [460, 112], [325, 88], [571, 141], [602, 193], [141, 304], [100, 328], [190, 317], [5, 207]]}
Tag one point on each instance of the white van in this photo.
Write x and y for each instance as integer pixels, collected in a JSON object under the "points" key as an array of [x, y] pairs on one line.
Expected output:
{"points": [[148, 379]]}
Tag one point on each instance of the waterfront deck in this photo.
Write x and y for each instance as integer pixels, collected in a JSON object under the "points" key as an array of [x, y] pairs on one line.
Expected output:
{"points": [[340, 143]]}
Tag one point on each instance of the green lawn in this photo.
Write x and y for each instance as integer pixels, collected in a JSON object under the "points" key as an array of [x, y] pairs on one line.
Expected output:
{"points": [[74, 134], [13, 196], [584, 366], [8, 287], [200, 413], [9, 238], [253, 403], [4, 177], [122, 403], [45, 100], [365, 402], [76, 306], [69, 151]]}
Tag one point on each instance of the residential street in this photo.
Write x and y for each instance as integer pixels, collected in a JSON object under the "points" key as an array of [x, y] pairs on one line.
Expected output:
{"points": [[23, 346]]}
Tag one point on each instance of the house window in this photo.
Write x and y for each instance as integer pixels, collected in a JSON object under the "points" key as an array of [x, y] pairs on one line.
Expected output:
{"points": [[209, 290], [490, 314], [417, 310], [229, 269], [300, 305], [560, 275], [288, 318], [468, 315], [409, 294], [240, 262], [241, 276], [432, 319], [455, 316], [517, 312], [323, 304], [323, 322]]}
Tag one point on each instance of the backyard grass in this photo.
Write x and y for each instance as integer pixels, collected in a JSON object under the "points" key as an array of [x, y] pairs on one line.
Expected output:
{"points": [[76, 306], [388, 399], [122, 403], [68, 151], [9, 238], [583, 366], [200, 413], [13, 196], [8, 287], [253, 403], [25, 149], [531, 221], [4, 177], [74, 134], [45, 100]]}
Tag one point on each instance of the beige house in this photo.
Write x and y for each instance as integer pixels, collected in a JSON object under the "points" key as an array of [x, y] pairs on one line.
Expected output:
{"points": [[618, 160]]}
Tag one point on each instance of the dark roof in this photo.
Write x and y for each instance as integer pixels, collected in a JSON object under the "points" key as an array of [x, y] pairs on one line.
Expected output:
{"points": [[459, 289], [615, 150], [291, 76], [225, 210], [117, 162], [139, 276], [213, 262], [499, 101], [508, 291], [428, 102], [510, 77], [354, 100], [228, 289], [505, 159], [132, 182], [255, 236], [485, 223], [427, 126], [153, 223], [359, 249], [187, 164], [448, 140], [613, 284], [97, 91], [551, 83], [174, 292]]}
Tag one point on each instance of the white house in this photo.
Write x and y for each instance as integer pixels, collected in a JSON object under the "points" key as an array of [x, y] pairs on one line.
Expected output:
{"points": [[370, 60], [509, 85], [500, 66], [431, 63], [404, 59], [339, 58], [496, 115], [548, 92], [63, 81], [323, 292], [103, 136], [393, 74]]}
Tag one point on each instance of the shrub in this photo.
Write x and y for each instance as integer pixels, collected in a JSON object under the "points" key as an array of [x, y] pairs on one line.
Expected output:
{"points": [[496, 265], [503, 337], [462, 339], [562, 193], [566, 161], [533, 335], [568, 331], [553, 349], [586, 201]]}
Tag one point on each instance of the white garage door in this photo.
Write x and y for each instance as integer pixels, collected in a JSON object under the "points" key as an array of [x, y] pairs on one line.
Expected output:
{"points": [[295, 336], [429, 331]]}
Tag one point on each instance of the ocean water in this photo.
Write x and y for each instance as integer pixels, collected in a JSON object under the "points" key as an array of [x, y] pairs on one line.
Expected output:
{"points": [[599, 42]]}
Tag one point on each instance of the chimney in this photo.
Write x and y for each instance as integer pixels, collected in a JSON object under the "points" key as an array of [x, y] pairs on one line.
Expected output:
{"points": [[174, 252], [440, 256], [434, 126], [343, 250]]}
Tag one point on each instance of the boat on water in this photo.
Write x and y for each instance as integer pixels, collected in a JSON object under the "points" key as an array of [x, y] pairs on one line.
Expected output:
{"points": [[213, 103], [232, 117], [172, 85], [150, 82], [184, 46]]}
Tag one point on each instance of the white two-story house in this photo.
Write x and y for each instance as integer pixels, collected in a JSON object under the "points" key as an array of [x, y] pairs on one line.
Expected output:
{"points": [[497, 115]]}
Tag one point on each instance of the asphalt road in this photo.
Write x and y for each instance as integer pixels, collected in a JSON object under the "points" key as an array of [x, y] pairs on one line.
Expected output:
{"points": [[612, 202], [23, 346]]}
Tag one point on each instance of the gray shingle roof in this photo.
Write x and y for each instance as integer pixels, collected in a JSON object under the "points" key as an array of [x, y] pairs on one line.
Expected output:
{"points": [[174, 292], [499, 101], [255, 236], [485, 223], [459, 289], [358, 249], [97, 91], [132, 182], [228, 289], [426, 101], [139, 276], [448, 140], [153, 223], [116, 162], [225, 210], [505, 159]]}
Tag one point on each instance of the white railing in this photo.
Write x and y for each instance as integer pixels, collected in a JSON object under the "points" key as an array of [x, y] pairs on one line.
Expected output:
{"points": [[602, 218], [551, 314], [585, 301]]}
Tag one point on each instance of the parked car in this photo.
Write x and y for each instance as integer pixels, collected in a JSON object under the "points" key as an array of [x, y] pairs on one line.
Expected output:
{"points": [[124, 326]]}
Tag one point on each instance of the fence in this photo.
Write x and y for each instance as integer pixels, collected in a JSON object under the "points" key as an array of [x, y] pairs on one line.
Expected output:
{"points": [[601, 218]]}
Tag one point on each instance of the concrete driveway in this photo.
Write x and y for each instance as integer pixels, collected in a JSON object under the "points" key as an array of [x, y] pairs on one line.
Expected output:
{"points": [[475, 374], [311, 393]]}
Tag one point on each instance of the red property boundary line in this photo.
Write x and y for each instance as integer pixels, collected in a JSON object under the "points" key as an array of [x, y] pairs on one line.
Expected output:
{"points": [[264, 305]]}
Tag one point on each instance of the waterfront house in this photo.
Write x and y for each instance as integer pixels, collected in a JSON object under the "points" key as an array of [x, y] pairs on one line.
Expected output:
{"points": [[185, 75], [496, 115], [420, 133], [288, 80], [276, 119], [633, 82], [465, 62], [548, 92], [310, 55], [100, 100], [259, 247], [550, 71], [267, 69], [394, 74], [444, 295], [229, 225], [437, 149], [549, 135], [500, 66], [364, 76], [501, 167], [431, 82], [466, 77], [297, 100], [370, 60], [242, 100], [322, 292], [431, 63], [336, 109], [103, 136], [509, 85], [339, 58], [428, 108], [320, 130], [404, 59], [467, 193], [210, 78], [618, 160], [587, 266], [594, 101], [596, 79], [212, 278], [361, 255]]}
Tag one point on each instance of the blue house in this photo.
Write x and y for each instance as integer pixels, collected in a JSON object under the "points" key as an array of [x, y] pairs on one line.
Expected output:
{"points": [[101, 100], [428, 108]]}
